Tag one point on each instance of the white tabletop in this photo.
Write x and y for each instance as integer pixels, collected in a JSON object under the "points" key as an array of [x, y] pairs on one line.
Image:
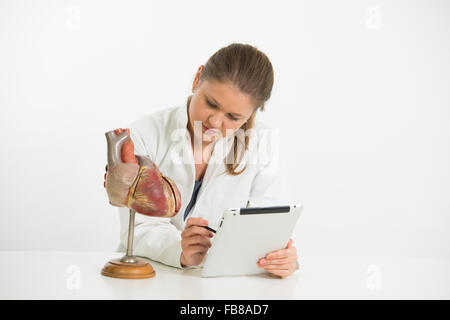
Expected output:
{"points": [[76, 275]]}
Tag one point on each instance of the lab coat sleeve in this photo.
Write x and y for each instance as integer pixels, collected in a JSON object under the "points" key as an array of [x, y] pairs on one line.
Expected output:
{"points": [[154, 238]]}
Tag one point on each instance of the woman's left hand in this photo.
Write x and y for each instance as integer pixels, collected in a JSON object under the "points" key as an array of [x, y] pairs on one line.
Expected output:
{"points": [[282, 262]]}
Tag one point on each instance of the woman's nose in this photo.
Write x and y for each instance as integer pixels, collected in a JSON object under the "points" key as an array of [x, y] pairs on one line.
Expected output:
{"points": [[216, 121]]}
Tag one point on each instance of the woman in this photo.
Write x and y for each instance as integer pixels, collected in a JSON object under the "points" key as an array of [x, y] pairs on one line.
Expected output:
{"points": [[212, 148]]}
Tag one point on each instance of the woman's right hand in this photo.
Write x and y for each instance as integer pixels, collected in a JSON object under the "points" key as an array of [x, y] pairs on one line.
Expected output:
{"points": [[195, 242]]}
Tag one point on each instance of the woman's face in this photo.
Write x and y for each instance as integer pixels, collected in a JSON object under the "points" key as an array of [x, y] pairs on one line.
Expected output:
{"points": [[217, 109]]}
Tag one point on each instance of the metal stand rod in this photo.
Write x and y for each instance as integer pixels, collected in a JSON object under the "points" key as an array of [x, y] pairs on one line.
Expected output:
{"points": [[129, 258], [130, 233]]}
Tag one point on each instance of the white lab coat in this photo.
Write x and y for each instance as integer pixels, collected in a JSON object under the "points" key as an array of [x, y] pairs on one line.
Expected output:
{"points": [[163, 136]]}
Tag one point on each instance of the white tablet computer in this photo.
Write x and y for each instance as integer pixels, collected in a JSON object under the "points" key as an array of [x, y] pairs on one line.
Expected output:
{"points": [[246, 235]]}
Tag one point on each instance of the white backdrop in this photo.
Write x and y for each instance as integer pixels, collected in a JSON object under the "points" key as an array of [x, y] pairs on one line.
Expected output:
{"points": [[361, 98]]}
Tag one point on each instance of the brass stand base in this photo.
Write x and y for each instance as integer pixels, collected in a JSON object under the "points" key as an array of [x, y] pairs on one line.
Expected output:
{"points": [[118, 269]]}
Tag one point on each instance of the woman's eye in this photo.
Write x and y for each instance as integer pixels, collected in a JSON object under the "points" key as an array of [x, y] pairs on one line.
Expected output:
{"points": [[214, 107], [211, 105]]}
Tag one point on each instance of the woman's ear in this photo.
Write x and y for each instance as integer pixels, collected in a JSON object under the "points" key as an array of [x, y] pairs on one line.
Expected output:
{"points": [[196, 78]]}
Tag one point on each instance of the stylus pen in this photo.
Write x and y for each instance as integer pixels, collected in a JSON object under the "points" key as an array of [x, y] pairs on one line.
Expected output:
{"points": [[210, 229]]}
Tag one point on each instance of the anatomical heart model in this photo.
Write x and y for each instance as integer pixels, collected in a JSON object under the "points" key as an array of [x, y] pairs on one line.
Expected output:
{"points": [[135, 182]]}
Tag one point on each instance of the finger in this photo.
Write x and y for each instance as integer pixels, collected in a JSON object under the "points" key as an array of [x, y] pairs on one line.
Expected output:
{"points": [[289, 245], [279, 254], [198, 240], [196, 249], [196, 222], [197, 258], [287, 266], [118, 131], [280, 273], [283, 261], [196, 230]]}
